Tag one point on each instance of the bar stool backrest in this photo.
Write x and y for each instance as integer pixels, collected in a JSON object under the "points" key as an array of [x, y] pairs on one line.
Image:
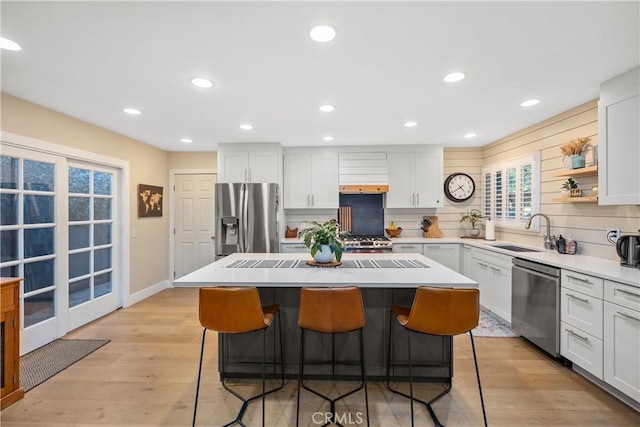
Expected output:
{"points": [[444, 311], [331, 310], [231, 310]]}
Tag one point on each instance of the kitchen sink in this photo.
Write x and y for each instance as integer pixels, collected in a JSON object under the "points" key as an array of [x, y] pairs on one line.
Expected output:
{"points": [[515, 248]]}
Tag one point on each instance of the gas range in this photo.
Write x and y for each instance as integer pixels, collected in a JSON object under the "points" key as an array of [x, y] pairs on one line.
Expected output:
{"points": [[366, 243]]}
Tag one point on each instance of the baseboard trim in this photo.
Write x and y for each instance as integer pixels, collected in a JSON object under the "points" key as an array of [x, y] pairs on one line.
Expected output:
{"points": [[146, 293]]}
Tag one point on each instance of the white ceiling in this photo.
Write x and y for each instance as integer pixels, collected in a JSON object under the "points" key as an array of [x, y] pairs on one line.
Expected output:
{"points": [[91, 59]]}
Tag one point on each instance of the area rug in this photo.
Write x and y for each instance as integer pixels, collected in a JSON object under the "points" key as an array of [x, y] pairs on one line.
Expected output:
{"points": [[46, 361], [492, 326]]}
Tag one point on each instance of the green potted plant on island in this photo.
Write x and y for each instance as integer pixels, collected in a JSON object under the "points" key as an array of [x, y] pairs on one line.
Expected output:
{"points": [[474, 216], [570, 188], [322, 239]]}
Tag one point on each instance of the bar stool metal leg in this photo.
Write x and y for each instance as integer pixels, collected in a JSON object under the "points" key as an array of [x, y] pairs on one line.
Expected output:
{"points": [[475, 360]]}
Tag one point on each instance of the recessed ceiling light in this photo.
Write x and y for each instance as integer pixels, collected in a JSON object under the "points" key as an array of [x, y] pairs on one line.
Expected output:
{"points": [[327, 108], [327, 138], [410, 124], [322, 33], [9, 44], [529, 102], [202, 82], [454, 77], [246, 126], [186, 140], [470, 135], [132, 111]]}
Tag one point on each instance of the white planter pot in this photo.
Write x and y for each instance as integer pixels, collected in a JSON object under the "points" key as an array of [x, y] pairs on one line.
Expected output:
{"points": [[324, 255]]}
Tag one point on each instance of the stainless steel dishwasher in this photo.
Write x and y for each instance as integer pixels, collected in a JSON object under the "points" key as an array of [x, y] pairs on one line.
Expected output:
{"points": [[535, 304]]}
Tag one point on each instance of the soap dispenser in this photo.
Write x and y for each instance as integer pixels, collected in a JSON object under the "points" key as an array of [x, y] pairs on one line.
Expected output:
{"points": [[571, 246], [561, 245]]}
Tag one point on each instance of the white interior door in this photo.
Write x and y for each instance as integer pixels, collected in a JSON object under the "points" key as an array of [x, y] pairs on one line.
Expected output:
{"points": [[94, 242], [194, 241]]}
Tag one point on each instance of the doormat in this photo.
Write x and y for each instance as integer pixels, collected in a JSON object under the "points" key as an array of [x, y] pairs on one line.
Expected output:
{"points": [[492, 326], [46, 361]]}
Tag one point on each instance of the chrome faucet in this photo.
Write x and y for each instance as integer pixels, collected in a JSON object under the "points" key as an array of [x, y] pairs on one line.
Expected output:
{"points": [[549, 240]]}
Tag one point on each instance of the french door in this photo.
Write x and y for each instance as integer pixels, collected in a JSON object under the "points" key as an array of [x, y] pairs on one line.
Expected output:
{"points": [[61, 237]]}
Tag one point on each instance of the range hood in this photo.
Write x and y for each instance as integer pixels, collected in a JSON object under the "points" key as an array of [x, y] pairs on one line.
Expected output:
{"points": [[363, 172]]}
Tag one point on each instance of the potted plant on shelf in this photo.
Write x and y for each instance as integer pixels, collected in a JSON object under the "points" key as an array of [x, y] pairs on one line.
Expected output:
{"points": [[570, 188], [474, 216], [322, 239]]}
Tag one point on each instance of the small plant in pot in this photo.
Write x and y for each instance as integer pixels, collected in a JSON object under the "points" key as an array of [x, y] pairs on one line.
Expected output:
{"points": [[322, 239], [474, 216], [570, 188]]}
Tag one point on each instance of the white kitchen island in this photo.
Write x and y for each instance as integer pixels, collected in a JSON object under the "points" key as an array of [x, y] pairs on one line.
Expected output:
{"points": [[385, 279]]}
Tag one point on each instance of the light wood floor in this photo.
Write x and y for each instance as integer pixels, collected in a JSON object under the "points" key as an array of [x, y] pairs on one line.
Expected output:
{"points": [[146, 377]]}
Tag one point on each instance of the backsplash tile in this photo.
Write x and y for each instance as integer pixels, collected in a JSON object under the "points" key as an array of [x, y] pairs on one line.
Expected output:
{"points": [[367, 213]]}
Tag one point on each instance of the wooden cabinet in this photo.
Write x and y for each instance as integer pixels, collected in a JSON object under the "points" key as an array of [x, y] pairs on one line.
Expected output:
{"points": [[446, 254], [493, 273], [311, 180], [248, 163], [10, 390], [622, 338], [619, 140], [415, 179]]}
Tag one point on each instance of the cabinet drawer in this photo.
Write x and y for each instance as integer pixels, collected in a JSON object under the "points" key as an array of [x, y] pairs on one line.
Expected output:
{"points": [[407, 248], [296, 248], [581, 348], [625, 295], [6, 297], [584, 283], [582, 311], [622, 349]]}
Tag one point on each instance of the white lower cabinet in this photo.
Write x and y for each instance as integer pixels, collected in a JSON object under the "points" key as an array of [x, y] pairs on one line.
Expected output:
{"points": [[622, 338], [445, 254], [466, 261], [293, 248], [582, 349], [407, 248], [493, 273]]}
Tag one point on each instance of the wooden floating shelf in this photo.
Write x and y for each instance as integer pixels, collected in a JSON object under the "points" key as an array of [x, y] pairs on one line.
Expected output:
{"points": [[584, 199], [591, 170]]}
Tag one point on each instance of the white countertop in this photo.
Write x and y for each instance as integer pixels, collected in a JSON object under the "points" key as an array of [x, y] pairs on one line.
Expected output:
{"points": [[218, 273], [605, 268]]}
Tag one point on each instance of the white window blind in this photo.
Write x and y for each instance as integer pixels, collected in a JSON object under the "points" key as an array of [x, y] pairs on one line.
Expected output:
{"points": [[511, 191]]}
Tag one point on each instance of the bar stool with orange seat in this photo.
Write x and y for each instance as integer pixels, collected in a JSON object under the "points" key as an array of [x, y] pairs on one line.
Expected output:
{"points": [[438, 311], [331, 311], [237, 310]]}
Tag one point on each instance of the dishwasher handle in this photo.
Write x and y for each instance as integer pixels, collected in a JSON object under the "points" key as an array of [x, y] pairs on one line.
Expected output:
{"points": [[535, 272]]}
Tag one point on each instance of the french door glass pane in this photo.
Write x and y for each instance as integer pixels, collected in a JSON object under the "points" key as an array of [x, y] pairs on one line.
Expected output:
{"points": [[101, 234], [38, 209], [38, 242], [79, 208], [79, 180], [8, 209], [79, 264], [102, 284], [102, 209], [38, 308], [102, 259], [102, 183], [38, 275], [38, 176], [10, 271], [79, 236], [9, 245], [8, 172], [79, 292]]}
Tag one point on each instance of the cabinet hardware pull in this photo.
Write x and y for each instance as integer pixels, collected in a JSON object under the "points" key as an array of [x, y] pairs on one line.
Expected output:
{"points": [[434, 246], [482, 264], [627, 292], [417, 199], [585, 339], [408, 247], [494, 269], [413, 199], [629, 317], [312, 200], [579, 279], [584, 300]]}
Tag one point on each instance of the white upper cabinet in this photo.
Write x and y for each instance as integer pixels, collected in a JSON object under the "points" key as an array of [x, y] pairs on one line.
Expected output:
{"points": [[311, 180], [619, 140], [248, 163], [415, 179]]}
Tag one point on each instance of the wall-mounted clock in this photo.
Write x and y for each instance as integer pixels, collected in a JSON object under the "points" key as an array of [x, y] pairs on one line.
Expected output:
{"points": [[459, 187]]}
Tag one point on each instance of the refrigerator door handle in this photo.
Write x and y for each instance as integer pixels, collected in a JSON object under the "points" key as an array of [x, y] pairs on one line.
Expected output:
{"points": [[245, 218]]}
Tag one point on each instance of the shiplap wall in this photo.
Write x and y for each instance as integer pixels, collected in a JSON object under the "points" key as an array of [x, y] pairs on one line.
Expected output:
{"points": [[587, 223]]}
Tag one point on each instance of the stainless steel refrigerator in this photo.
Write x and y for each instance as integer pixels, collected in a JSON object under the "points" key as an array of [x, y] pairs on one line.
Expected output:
{"points": [[247, 218]]}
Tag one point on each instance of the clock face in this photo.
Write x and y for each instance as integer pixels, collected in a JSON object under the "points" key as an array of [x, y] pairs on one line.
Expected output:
{"points": [[459, 187]]}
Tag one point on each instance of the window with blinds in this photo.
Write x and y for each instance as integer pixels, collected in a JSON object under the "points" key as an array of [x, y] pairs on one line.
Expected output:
{"points": [[511, 191]]}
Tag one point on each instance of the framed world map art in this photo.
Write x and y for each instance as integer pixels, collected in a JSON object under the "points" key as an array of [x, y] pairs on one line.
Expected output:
{"points": [[149, 200]]}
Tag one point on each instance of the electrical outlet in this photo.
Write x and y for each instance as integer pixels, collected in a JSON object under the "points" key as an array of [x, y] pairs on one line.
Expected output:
{"points": [[613, 234]]}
